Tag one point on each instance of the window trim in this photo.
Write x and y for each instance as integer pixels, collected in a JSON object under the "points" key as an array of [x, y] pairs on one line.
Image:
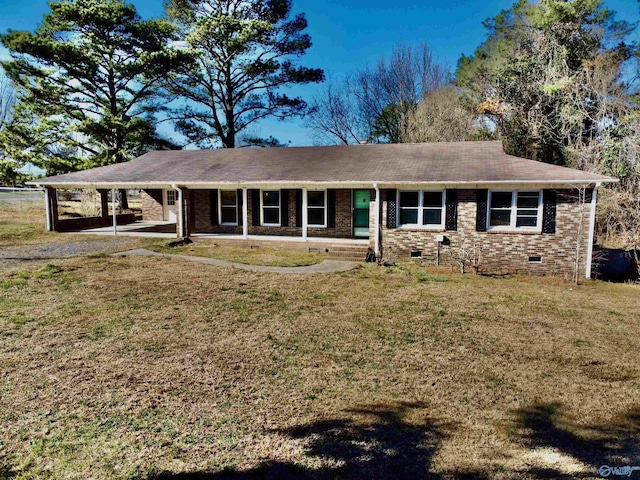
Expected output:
{"points": [[227, 224], [421, 208], [514, 212], [325, 208], [262, 207]]}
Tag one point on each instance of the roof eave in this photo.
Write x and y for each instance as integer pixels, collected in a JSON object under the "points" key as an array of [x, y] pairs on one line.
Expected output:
{"points": [[313, 183]]}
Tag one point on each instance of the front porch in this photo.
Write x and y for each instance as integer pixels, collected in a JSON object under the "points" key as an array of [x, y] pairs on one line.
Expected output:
{"points": [[340, 248], [340, 223], [161, 229]]}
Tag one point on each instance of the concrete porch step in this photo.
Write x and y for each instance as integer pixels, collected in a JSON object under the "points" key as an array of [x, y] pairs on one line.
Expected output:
{"points": [[354, 253], [326, 249], [357, 250], [346, 258]]}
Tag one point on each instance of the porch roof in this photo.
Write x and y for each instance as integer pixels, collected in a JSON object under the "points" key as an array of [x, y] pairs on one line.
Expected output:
{"points": [[455, 163]]}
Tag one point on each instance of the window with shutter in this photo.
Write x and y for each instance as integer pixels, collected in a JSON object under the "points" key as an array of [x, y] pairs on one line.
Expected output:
{"points": [[515, 210], [421, 208]]}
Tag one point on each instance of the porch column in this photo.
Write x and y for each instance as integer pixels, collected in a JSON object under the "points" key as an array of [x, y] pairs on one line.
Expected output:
{"points": [[104, 202], [245, 220], [47, 209], [592, 228], [376, 222], [180, 229], [186, 212], [305, 220], [114, 213], [51, 206]]}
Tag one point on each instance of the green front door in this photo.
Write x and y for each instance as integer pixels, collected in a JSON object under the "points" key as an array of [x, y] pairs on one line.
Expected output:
{"points": [[361, 201]]}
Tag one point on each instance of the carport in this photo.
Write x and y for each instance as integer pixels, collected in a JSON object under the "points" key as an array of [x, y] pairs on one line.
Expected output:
{"points": [[107, 223]]}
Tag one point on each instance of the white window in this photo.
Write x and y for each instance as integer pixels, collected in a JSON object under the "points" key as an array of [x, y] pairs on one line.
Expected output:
{"points": [[422, 208], [515, 210], [171, 197], [317, 208], [228, 207], [271, 208]]}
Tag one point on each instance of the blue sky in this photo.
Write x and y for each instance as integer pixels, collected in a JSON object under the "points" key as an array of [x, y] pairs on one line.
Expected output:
{"points": [[349, 34]]}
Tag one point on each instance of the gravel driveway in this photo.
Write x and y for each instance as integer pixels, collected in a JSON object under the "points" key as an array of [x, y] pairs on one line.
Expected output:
{"points": [[64, 249]]}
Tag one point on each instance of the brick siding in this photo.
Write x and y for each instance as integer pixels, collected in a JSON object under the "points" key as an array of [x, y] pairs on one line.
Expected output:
{"points": [[499, 252], [343, 229], [152, 204]]}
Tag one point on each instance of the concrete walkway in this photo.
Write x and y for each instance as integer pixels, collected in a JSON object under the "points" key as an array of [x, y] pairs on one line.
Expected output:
{"points": [[327, 266]]}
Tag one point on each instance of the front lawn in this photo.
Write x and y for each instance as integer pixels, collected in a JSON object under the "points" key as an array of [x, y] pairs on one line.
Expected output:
{"points": [[23, 222], [249, 256], [158, 368]]}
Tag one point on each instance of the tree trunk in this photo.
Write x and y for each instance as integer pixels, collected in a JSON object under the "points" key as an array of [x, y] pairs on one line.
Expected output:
{"points": [[124, 201]]}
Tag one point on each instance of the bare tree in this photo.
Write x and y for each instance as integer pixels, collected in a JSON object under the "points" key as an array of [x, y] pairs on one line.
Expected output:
{"points": [[377, 101], [336, 117], [7, 100], [468, 253], [389, 92], [441, 116], [8, 167], [619, 204]]}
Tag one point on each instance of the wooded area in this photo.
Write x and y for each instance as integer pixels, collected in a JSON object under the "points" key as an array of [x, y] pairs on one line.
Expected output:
{"points": [[555, 80]]}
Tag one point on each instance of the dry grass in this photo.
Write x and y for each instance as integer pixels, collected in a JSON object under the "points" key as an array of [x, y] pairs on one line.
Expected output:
{"points": [[75, 208], [23, 223], [249, 256], [23, 236], [131, 367]]}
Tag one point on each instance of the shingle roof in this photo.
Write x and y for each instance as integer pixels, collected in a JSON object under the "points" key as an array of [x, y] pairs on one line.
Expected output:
{"points": [[460, 162]]}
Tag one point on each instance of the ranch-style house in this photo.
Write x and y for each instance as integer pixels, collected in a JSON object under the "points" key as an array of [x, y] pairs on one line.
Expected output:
{"points": [[440, 201]]}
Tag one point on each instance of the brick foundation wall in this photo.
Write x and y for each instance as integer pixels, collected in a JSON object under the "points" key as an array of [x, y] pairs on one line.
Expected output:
{"points": [[152, 205], [499, 252]]}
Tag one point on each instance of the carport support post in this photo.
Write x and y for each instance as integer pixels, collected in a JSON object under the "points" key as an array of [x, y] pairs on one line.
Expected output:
{"points": [[305, 214], [115, 215], [245, 222], [47, 208], [180, 213], [51, 207]]}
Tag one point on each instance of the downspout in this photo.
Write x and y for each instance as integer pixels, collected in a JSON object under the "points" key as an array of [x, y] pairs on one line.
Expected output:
{"points": [[592, 229], [180, 231], [376, 221]]}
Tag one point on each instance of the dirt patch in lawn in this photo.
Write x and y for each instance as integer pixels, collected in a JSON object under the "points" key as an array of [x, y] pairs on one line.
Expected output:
{"points": [[148, 368]]}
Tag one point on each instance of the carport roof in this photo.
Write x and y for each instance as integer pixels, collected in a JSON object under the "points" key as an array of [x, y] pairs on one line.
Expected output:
{"points": [[386, 164]]}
